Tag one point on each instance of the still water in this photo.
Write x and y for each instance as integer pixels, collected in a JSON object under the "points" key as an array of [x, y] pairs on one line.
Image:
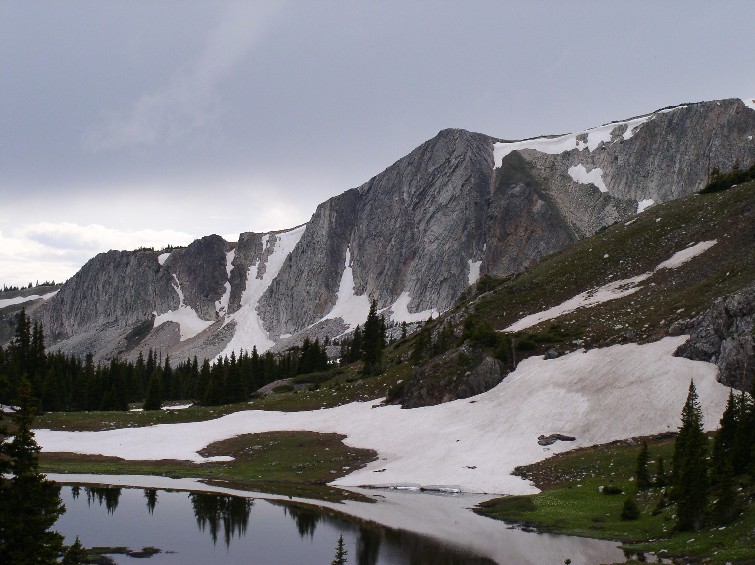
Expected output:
{"points": [[198, 528], [202, 527]]}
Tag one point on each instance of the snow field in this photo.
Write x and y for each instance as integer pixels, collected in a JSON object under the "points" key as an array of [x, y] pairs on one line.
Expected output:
{"points": [[643, 205], [562, 143], [249, 330], [185, 316], [400, 309], [352, 309], [579, 174], [21, 299], [749, 102], [470, 444], [609, 291], [474, 271]]}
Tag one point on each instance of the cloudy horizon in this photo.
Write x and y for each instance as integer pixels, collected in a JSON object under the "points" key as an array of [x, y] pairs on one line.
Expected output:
{"points": [[129, 124]]}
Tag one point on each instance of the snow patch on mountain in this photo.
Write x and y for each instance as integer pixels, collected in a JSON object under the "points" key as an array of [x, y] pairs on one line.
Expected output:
{"points": [[21, 299], [579, 174], [643, 205], [249, 331], [469, 445], [221, 306], [474, 271], [185, 316], [401, 313], [162, 258], [350, 307], [589, 139], [610, 291], [749, 102]]}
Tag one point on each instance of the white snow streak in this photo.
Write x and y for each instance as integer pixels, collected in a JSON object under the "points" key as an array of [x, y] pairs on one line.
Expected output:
{"points": [[352, 309], [21, 299], [610, 291], [249, 329], [401, 313], [643, 205], [474, 271], [749, 102], [185, 316], [597, 396], [162, 258], [579, 174], [562, 143]]}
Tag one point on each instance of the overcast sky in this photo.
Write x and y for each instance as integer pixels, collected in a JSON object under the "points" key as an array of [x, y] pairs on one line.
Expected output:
{"points": [[150, 123]]}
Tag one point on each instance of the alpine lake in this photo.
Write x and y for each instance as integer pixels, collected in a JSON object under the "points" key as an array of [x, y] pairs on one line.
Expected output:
{"points": [[183, 521]]}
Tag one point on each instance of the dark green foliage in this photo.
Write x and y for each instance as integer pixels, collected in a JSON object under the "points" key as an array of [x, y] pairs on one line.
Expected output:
{"points": [[373, 342], [721, 181], [690, 469], [422, 343], [661, 480], [642, 475], [30, 503], [154, 392], [726, 506], [340, 557], [630, 510], [75, 554]]}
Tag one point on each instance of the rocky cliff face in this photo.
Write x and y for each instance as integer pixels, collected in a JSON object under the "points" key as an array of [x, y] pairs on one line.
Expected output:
{"points": [[412, 238], [724, 335]]}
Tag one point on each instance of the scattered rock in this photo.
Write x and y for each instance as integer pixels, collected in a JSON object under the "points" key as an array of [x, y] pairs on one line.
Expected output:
{"points": [[553, 438]]}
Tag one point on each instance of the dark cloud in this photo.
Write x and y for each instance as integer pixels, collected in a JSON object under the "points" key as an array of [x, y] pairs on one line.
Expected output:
{"points": [[203, 117]]}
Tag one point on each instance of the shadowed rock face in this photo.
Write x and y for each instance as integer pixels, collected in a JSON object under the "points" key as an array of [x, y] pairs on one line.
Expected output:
{"points": [[421, 227], [724, 335]]}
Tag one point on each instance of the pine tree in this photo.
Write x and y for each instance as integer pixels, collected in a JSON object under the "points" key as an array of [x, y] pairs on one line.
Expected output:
{"points": [[642, 475], [630, 510], [373, 342], [340, 558], [153, 401], [661, 480], [30, 503], [75, 554], [689, 475], [725, 440]]}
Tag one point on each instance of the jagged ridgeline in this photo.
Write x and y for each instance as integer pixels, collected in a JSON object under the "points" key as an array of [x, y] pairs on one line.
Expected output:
{"points": [[413, 238]]}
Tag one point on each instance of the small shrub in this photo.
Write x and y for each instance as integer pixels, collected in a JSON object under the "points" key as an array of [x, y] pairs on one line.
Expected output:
{"points": [[612, 489], [630, 511]]}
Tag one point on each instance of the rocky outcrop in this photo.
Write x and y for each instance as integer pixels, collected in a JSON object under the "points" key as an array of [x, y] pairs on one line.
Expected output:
{"points": [[724, 335], [460, 373]]}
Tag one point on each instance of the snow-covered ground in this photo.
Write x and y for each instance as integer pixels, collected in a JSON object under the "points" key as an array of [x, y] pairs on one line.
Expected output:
{"points": [[579, 174], [21, 299], [471, 444], [400, 309], [609, 291]]}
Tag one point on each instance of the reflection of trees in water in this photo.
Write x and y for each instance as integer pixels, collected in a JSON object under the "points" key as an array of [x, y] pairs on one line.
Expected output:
{"points": [[108, 495], [306, 519], [368, 545], [151, 495], [214, 511], [423, 551], [75, 491]]}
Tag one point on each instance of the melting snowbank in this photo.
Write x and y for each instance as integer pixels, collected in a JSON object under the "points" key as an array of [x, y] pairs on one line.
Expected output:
{"points": [[249, 331], [471, 444], [185, 316], [21, 299], [610, 291], [353, 309]]}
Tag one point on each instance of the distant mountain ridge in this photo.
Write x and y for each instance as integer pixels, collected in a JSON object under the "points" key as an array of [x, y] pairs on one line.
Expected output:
{"points": [[413, 237]]}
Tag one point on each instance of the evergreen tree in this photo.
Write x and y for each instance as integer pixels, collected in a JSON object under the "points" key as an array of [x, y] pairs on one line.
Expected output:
{"points": [[689, 475], [630, 510], [661, 480], [154, 401], [725, 440], [30, 503], [75, 554], [340, 558], [643, 476], [373, 342]]}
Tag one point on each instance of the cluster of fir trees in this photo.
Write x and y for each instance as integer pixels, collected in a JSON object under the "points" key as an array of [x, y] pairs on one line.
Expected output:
{"points": [[703, 483], [367, 344], [718, 181], [62, 382]]}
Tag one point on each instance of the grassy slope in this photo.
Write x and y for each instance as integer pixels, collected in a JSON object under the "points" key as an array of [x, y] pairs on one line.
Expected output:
{"points": [[572, 504]]}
